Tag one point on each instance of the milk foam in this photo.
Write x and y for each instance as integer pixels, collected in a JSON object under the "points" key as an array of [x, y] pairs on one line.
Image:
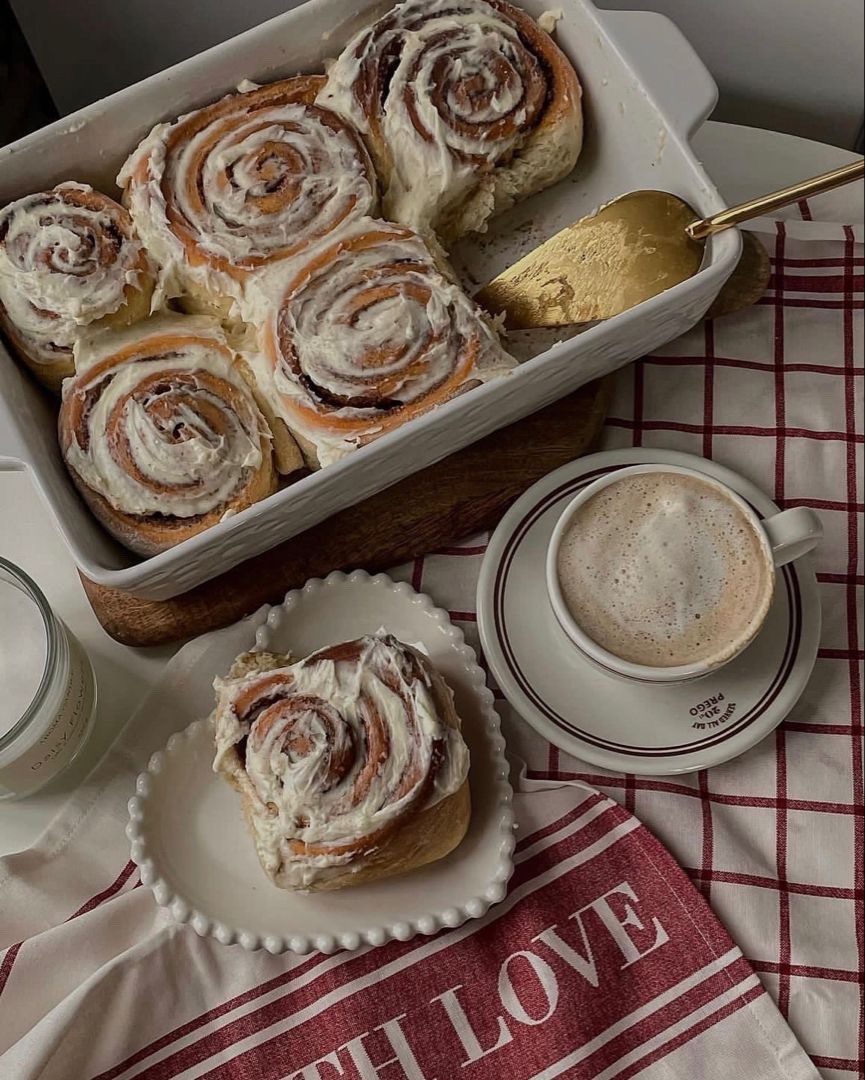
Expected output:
{"points": [[662, 569]]}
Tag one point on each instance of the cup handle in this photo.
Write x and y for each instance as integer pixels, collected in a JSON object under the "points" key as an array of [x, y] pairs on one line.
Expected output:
{"points": [[792, 533]]}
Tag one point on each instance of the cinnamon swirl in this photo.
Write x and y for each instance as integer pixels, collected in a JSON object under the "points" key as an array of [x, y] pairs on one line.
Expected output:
{"points": [[350, 762], [160, 432], [467, 106], [69, 259], [251, 179], [365, 336]]}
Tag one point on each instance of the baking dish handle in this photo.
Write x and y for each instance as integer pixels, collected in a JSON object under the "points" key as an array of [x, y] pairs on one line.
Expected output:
{"points": [[665, 61]]}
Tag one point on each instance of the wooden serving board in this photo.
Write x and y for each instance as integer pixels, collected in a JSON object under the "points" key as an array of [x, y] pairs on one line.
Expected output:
{"points": [[463, 494]]}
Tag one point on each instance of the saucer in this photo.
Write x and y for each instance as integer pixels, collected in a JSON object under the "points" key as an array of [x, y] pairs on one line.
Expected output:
{"points": [[622, 726]]}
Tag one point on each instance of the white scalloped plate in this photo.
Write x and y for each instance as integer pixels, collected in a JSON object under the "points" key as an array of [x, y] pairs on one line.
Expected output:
{"points": [[191, 842]]}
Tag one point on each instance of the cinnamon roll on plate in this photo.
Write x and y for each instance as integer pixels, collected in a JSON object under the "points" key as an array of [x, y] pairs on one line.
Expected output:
{"points": [[364, 336], [467, 106], [70, 261], [254, 178], [350, 763], [160, 432]]}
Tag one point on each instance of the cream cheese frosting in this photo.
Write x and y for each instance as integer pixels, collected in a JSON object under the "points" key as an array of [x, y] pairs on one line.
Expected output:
{"points": [[369, 334], [172, 428], [548, 20], [64, 263], [223, 190], [462, 93], [336, 751]]}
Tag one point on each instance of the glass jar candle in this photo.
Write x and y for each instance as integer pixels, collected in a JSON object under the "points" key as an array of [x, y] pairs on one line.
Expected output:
{"points": [[47, 688]]}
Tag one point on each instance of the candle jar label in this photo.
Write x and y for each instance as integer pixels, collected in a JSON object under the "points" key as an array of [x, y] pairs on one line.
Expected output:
{"points": [[63, 733]]}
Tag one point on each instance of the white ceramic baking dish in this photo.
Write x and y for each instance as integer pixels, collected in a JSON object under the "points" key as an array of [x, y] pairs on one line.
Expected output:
{"points": [[646, 92]]}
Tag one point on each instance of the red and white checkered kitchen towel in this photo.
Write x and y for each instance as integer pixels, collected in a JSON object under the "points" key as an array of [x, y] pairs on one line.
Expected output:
{"points": [[603, 960]]}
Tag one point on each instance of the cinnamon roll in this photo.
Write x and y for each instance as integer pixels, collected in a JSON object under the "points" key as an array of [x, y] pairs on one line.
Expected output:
{"points": [[251, 179], [363, 337], [350, 762], [69, 260], [467, 106], [160, 432]]}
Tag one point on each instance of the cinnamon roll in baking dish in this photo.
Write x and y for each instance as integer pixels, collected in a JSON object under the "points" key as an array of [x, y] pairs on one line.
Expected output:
{"points": [[251, 179], [161, 434], [467, 106], [350, 762], [69, 260], [364, 336]]}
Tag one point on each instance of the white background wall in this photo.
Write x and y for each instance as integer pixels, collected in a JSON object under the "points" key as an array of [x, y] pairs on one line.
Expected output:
{"points": [[792, 65], [789, 65]]}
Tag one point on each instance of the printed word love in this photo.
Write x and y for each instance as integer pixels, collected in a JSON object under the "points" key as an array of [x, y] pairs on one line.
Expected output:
{"points": [[531, 982]]}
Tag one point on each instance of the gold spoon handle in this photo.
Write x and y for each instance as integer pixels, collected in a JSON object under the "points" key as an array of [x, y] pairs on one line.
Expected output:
{"points": [[745, 211]]}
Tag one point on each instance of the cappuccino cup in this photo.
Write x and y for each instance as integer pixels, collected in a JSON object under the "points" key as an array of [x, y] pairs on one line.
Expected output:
{"points": [[660, 573]]}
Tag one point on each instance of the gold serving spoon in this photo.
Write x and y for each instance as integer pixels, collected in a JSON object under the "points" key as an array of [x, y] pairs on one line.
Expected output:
{"points": [[632, 249]]}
